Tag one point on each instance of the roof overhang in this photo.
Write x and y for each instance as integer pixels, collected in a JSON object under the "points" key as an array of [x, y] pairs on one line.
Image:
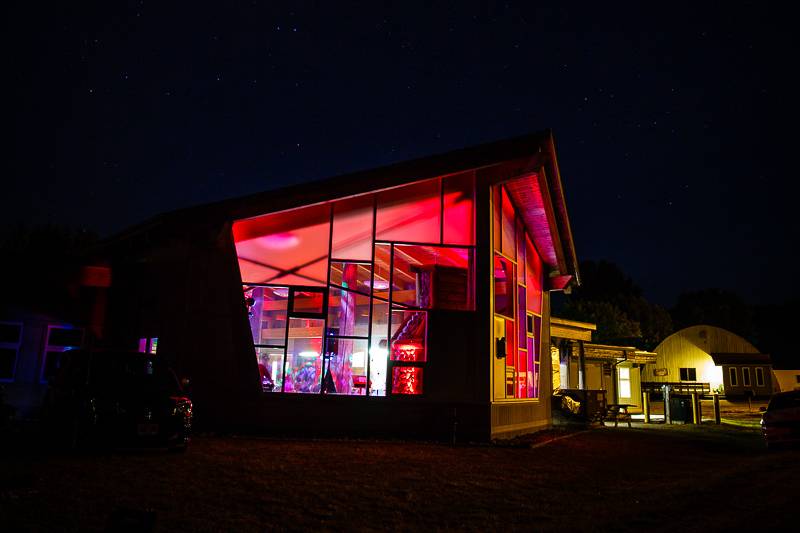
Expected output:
{"points": [[741, 358], [539, 196], [571, 329], [617, 354], [527, 163]]}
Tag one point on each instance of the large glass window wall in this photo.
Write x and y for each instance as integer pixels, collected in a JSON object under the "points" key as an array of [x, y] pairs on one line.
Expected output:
{"points": [[338, 294], [517, 303]]}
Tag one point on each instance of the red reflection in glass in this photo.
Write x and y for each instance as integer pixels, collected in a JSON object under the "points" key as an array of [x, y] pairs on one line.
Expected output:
{"points": [[509, 221], [533, 278], [503, 286], [522, 374], [407, 380], [352, 228], [497, 218], [410, 213], [288, 248], [459, 226], [308, 301]]}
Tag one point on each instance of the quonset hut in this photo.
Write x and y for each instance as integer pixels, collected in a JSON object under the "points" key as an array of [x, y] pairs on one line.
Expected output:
{"points": [[408, 300]]}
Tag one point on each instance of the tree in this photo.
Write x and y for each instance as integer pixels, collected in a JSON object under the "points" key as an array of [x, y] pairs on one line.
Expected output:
{"points": [[613, 325], [613, 301], [715, 307]]}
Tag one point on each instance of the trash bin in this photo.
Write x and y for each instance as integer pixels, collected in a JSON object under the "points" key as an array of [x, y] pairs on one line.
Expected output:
{"points": [[680, 409]]}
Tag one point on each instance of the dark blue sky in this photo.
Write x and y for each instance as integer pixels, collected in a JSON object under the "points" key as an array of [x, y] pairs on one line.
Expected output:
{"points": [[675, 127]]}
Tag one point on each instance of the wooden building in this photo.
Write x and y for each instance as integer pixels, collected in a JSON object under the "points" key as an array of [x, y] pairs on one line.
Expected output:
{"points": [[407, 300], [714, 356], [579, 364], [786, 380]]}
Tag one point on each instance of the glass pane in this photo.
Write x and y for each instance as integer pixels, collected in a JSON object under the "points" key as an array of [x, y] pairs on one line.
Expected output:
{"points": [[503, 286], [65, 337], [308, 301], [289, 248], [345, 367], [432, 277], [409, 332], [382, 271], [497, 217], [407, 380], [532, 378], [509, 220], [8, 359], [521, 253], [10, 333], [266, 309], [522, 373], [270, 362], [52, 362], [348, 313], [521, 316], [533, 277], [378, 352], [511, 359], [303, 371], [459, 222], [352, 228], [410, 214], [353, 276]]}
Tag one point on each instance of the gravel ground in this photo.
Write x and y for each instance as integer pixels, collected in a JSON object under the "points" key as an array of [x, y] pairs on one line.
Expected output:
{"points": [[646, 477]]}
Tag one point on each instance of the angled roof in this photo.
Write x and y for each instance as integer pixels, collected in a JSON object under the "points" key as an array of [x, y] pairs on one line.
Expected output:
{"points": [[738, 358], [530, 161]]}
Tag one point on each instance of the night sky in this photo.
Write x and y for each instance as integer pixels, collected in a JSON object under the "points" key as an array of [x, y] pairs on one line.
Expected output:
{"points": [[675, 128]]}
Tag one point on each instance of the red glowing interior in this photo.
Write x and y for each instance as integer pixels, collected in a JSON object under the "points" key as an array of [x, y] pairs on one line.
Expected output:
{"points": [[407, 380]]}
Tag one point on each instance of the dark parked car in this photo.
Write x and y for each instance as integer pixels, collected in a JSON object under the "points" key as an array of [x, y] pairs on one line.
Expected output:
{"points": [[780, 422], [118, 399]]}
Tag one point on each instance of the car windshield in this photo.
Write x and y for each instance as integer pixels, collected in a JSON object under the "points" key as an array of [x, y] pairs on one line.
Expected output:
{"points": [[784, 401]]}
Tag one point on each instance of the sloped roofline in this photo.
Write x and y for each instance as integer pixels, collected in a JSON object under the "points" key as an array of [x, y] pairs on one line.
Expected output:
{"points": [[540, 145]]}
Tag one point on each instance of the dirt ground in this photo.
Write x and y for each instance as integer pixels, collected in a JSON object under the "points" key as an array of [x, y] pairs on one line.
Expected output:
{"points": [[653, 477]]}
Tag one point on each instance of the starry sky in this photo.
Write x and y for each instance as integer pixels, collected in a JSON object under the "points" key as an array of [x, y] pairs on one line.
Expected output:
{"points": [[674, 124]]}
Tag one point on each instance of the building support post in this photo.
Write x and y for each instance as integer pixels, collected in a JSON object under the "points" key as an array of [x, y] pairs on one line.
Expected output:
{"points": [[667, 414], [717, 419], [696, 416], [646, 406]]}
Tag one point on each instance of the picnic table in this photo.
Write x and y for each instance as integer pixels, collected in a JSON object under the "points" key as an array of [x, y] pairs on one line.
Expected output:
{"points": [[618, 412]]}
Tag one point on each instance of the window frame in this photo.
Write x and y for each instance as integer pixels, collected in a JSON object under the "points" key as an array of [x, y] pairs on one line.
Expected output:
{"points": [[47, 348], [746, 381], [733, 376], [627, 380], [12, 346], [760, 382], [375, 198], [689, 371]]}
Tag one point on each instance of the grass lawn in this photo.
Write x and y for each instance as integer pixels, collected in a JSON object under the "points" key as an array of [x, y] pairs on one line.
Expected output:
{"points": [[640, 478]]}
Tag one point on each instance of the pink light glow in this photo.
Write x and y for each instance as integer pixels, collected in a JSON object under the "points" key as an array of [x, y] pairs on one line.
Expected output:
{"points": [[379, 285], [280, 241]]}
